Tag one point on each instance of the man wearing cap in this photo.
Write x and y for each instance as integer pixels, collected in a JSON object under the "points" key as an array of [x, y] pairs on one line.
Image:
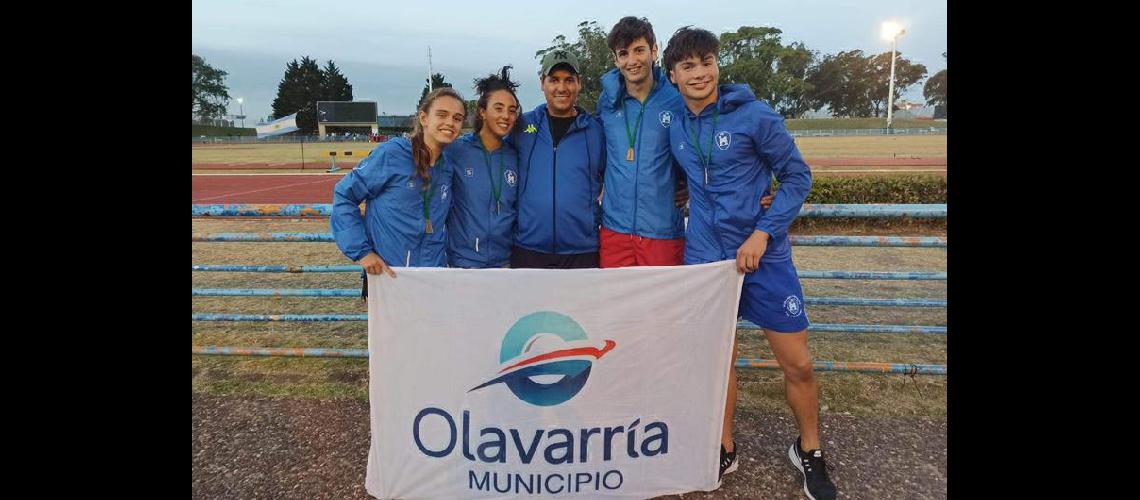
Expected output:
{"points": [[562, 154]]}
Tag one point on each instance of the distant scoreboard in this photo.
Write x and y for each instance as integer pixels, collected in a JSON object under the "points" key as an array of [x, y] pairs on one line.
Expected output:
{"points": [[346, 112]]}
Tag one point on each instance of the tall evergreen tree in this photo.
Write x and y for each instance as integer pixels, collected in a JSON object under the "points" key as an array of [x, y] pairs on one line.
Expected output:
{"points": [[336, 86]]}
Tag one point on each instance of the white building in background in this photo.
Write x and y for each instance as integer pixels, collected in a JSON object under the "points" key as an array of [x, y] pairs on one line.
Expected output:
{"points": [[913, 110]]}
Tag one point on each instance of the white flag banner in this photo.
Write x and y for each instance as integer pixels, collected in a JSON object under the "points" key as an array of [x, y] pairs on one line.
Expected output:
{"points": [[282, 125], [504, 383]]}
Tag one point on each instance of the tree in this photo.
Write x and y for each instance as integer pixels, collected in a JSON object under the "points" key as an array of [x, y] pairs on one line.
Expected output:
{"points": [[749, 55], [594, 59], [437, 81], [336, 86], [934, 91], [298, 92], [290, 97], [790, 88], [776, 73], [303, 85], [851, 84], [906, 74], [210, 93], [842, 82], [472, 107]]}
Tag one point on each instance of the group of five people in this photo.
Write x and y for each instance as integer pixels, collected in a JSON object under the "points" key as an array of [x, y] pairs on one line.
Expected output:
{"points": [[559, 187]]}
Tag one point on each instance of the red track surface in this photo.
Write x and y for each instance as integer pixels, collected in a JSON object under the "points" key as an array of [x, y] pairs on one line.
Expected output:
{"points": [[210, 189], [309, 166]]}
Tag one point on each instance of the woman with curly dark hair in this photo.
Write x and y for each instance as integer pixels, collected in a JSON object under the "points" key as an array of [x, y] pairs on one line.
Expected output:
{"points": [[485, 179]]}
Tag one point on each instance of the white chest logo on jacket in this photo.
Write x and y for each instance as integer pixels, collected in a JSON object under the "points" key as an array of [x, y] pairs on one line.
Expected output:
{"points": [[666, 118], [722, 140], [469, 172], [511, 177]]}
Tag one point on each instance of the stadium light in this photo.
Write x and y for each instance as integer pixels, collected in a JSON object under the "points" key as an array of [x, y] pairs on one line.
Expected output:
{"points": [[241, 110], [892, 31]]}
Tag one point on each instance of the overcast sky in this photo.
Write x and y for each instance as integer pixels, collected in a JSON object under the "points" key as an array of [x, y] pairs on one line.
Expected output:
{"points": [[382, 46]]}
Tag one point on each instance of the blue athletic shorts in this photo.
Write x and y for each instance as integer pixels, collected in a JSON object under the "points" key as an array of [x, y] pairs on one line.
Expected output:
{"points": [[773, 299]]}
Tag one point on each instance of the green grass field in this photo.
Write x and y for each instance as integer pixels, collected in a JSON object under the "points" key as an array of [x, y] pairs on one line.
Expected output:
{"points": [[761, 390], [902, 146], [315, 153], [212, 131]]}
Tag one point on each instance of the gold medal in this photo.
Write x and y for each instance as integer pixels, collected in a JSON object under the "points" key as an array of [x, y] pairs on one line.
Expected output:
{"points": [[428, 228], [629, 154]]}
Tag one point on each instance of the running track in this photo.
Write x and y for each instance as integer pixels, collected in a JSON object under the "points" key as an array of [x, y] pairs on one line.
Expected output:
{"points": [[278, 188]]}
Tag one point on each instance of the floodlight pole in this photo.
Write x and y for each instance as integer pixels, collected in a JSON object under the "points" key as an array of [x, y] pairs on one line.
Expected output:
{"points": [[891, 87]]}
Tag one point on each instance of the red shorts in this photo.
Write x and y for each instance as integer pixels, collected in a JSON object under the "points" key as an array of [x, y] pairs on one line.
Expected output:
{"points": [[622, 250]]}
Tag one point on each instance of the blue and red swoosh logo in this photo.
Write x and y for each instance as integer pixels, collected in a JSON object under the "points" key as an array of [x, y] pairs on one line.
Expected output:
{"points": [[521, 363]]}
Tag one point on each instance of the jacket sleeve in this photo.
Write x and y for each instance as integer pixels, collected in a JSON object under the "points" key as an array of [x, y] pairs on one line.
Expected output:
{"points": [[454, 179], [601, 154], [600, 175], [682, 178], [777, 147], [361, 184], [516, 140]]}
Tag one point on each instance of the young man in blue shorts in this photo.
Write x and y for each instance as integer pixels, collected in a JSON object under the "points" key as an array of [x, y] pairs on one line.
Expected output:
{"points": [[730, 146]]}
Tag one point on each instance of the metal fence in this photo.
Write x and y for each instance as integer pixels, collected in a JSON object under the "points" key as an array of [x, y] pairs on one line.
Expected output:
{"points": [[921, 211], [868, 132], [282, 139]]}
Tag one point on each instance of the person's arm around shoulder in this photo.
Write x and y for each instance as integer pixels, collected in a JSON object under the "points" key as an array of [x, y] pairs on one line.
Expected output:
{"points": [[681, 195], [600, 158]]}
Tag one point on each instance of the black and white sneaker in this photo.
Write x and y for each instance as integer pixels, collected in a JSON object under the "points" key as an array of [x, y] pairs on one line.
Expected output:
{"points": [[817, 485], [728, 463]]}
